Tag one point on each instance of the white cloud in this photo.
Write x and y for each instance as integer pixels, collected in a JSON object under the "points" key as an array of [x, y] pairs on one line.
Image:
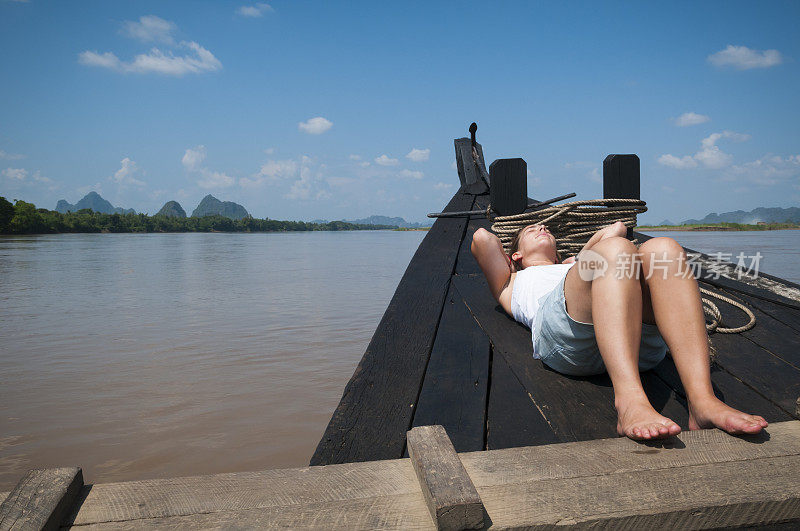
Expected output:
{"points": [[744, 58], [15, 174], [214, 179], [308, 185], [354, 157], [681, 163], [419, 155], [341, 181], [691, 118], [150, 28], [383, 160], [315, 126], [156, 61], [710, 155], [269, 151], [768, 170], [668, 189], [594, 175], [364, 164], [193, 157], [125, 174], [10, 156], [411, 174], [442, 186], [270, 172], [255, 10]]}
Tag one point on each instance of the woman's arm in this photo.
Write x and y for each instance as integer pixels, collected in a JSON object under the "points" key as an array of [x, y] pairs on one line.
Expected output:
{"points": [[616, 229], [495, 264]]}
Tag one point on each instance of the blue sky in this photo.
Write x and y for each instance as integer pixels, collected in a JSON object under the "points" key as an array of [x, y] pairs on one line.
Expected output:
{"points": [[303, 110]]}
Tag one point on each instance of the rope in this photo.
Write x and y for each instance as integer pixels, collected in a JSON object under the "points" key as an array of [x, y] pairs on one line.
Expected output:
{"points": [[574, 223]]}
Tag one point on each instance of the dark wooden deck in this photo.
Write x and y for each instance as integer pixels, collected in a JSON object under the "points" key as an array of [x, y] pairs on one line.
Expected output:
{"points": [[446, 353]]}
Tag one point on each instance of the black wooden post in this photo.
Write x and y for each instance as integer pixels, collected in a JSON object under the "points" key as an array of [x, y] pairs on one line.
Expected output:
{"points": [[508, 186], [621, 179], [468, 173]]}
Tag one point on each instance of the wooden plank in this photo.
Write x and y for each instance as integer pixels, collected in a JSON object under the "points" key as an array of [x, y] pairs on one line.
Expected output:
{"points": [[378, 403], [698, 479], [772, 335], [704, 496], [729, 389], [513, 418], [41, 499], [456, 380], [449, 493], [621, 455], [238, 492], [769, 376], [402, 511]]}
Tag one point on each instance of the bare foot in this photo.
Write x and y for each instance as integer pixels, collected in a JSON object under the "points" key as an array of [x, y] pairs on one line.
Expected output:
{"points": [[712, 413], [640, 422]]}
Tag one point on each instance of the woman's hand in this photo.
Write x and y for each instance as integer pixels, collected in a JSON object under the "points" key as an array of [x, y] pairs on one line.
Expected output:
{"points": [[569, 260]]}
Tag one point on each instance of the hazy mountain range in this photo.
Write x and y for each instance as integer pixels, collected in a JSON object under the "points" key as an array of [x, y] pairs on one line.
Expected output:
{"points": [[381, 220], [766, 214]]}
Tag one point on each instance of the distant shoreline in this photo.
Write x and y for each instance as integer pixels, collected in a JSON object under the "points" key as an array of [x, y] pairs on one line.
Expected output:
{"points": [[724, 227]]}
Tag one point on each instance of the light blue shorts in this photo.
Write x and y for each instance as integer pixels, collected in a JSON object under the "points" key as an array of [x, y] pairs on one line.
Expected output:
{"points": [[570, 347]]}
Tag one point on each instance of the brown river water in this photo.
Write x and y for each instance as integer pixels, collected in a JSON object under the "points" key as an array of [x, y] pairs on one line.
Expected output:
{"points": [[159, 355]]}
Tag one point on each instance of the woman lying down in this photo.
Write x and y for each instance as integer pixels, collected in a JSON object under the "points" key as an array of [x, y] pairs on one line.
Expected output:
{"points": [[618, 311]]}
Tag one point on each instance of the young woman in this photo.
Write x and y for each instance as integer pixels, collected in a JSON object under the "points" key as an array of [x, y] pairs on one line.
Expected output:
{"points": [[618, 311]]}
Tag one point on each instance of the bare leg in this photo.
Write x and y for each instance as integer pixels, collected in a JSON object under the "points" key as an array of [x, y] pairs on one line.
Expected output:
{"points": [[616, 312], [678, 312]]}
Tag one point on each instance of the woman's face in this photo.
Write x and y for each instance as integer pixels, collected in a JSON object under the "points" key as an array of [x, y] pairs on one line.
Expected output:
{"points": [[535, 240]]}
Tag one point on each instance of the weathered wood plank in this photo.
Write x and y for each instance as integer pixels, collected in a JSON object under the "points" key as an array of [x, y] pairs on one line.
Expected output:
{"points": [[41, 499], [449, 493], [608, 456], [334, 484], [378, 403], [401, 511], [684, 481], [514, 419], [704, 496], [730, 390], [769, 376], [456, 381], [772, 335]]}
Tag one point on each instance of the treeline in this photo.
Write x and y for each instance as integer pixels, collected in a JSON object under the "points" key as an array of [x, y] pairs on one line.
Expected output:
{"points": [[25, 218]]}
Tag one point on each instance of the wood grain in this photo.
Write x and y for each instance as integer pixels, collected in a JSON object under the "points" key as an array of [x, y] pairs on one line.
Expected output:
{"points": [[449, 493], [41, 499]]}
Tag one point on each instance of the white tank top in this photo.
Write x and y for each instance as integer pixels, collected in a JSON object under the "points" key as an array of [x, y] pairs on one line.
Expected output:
{"points": [[531, 285]]}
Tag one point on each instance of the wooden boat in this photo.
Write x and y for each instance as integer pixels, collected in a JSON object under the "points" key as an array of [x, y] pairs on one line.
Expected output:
{"points": [[520, 446]]}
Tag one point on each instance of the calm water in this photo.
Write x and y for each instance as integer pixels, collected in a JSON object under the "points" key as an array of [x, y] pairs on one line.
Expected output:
{"points": [[780, 249], [143, 356], [156, 355]]}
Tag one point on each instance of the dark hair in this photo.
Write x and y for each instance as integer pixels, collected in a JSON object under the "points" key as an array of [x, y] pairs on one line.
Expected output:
{"points": [[513, 247]]}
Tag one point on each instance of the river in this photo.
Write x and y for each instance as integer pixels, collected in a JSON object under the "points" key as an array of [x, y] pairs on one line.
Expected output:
{"points": [[157, 355]]}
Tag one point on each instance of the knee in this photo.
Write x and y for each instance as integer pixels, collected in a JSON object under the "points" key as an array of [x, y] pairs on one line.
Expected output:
{"points": [[660, 247], [613, 247]]}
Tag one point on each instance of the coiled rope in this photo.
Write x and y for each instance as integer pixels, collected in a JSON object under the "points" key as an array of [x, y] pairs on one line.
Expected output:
{"points": [[574, 223]]}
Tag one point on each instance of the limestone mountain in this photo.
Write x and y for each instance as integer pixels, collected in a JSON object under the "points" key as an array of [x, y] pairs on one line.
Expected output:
{"points": [[172, 209], [92, 201], [210, 206], [766, 214]]}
